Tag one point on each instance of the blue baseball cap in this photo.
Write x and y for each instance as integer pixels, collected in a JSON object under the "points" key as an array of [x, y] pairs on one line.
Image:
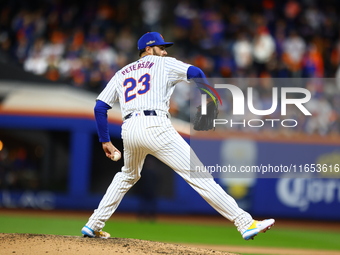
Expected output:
{"points": [[152, 39]]}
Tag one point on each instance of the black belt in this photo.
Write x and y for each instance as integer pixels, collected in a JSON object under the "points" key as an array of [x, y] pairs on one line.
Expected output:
{"points": [[146, 113]]}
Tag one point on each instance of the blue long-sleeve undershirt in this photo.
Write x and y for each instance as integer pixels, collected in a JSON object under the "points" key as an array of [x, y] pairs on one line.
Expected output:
{"points": [[196, 74], [100, 113]]}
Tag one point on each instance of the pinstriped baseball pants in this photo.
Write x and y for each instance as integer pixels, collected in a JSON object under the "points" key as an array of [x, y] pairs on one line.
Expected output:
{"points": [[155, 135]]}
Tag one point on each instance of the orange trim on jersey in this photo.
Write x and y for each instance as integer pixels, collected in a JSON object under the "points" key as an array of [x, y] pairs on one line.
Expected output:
{"points": [[139, 93], [128, 89]]}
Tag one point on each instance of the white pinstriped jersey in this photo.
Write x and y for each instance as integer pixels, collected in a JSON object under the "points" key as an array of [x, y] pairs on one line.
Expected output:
{"points": [[140, 85]]}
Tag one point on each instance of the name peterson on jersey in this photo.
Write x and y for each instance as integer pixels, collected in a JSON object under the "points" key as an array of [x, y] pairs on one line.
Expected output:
{"points": [[137, 66]]}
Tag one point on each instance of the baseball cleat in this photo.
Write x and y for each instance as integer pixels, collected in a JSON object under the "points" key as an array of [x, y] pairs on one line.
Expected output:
{"points": [[257, 227], [88, 232]]}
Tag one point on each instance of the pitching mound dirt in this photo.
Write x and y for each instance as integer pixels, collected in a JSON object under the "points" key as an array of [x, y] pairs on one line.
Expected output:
{"points": [[70, 245]]}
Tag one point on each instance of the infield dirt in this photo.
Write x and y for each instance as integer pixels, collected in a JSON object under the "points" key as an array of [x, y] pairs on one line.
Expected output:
{"points": [[29, 244], [37, 244]]}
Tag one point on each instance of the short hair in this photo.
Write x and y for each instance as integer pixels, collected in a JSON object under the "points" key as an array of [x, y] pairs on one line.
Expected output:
{"points": [[141, 52]]}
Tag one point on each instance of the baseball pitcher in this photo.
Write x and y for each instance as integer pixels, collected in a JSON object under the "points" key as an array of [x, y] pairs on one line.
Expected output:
{"points": [[143, 89]]}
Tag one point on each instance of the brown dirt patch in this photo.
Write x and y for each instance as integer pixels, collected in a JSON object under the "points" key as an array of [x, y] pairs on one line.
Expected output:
{"points": [[34, 244]]}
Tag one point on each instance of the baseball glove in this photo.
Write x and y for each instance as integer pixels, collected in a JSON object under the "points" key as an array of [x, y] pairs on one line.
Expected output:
{"points": [[206, 122]]}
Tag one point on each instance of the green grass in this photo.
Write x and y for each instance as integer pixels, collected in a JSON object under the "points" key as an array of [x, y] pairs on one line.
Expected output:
{"points": [[175, 232], [221, 235]]}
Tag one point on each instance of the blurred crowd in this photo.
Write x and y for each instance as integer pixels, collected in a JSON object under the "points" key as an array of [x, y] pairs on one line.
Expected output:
{"points": [[83, 43]]}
